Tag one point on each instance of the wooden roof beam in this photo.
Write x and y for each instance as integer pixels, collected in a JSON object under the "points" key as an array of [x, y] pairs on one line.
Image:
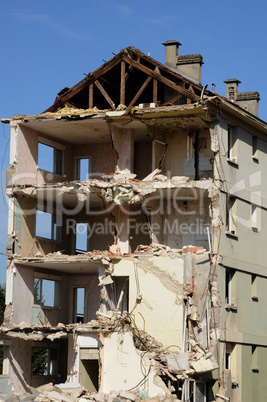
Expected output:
{"points": [[162, 79], [105, 94], [145, 84], [86, 82], [122, 88]]}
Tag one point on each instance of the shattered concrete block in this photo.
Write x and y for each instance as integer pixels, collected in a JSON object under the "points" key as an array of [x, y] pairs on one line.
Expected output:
{"points": [[70, 388], [57, 396], [177, 363], [203, 365]]}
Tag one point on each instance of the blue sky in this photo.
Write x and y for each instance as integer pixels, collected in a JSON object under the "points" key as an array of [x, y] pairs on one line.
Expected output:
{"points": [[47, 45]]}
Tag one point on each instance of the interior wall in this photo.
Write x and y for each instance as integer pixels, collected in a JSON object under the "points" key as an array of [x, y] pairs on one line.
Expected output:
{"points": [[179, 158], [128, 365], [152, 276], [182, 220], [27, 164], [142, 159], [103, 158]]}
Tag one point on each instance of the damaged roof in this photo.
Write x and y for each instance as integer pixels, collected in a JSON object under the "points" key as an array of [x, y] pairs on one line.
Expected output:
{"points": [[141, 78]]}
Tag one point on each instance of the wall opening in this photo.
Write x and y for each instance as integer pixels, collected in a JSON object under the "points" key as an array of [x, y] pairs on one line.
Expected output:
{"points": [[82, 169], [82, 240], [78, 305], [48, 225], [89, 369], [50, 158], [44, 361], [4, 359], [117, 293], [46, 292]]}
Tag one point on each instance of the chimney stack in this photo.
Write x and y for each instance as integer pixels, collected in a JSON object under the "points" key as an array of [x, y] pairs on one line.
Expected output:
{"points": [[188, 65], [247, 100]]}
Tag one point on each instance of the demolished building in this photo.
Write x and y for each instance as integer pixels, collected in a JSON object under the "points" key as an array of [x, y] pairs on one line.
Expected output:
{"points": [[135, 210]]}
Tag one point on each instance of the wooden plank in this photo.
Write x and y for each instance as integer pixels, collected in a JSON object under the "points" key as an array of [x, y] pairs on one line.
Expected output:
{"points": [[86, 82], [105, 94], [122, 94], [178, 96], [91, 96], [140, 91], [162, 79], [155, 90]]}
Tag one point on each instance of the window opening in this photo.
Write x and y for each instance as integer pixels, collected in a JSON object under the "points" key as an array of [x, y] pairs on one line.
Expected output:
{"points": [[231, 215], [44, 361], [46, 292], [229, 274], [254, 358], [232, 144], [81, 246], [254, 147], [117, 293], [255, 218], [4, 356], [83, 169], [228, 352], [48, 225], [50, 158], [78, 304], [254, 287]]}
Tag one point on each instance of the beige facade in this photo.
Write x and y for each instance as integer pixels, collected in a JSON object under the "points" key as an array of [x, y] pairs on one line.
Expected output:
{"points": [[136, 238]]}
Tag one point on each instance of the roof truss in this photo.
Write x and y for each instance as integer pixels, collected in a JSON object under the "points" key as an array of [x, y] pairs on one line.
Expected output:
{"points": [[128, 78]]}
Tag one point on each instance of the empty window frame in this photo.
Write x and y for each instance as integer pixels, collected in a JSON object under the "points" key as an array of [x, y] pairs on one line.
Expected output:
{"points": [[82, 168], [232, 144], [229, 348], [254, 358], [4, 359], [44, 361], [255, 148], [46, 292], [255, 217], [81, 238], [117, 293], [229, 275], [78, 304], [231, 206], [48, 225], [50, 158], [254, 287]]}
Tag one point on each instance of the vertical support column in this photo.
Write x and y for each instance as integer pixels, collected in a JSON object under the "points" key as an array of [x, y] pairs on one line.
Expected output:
{"points": [[122, 94], [155, 91], [122, 227], [123, 141], [91, 96]]}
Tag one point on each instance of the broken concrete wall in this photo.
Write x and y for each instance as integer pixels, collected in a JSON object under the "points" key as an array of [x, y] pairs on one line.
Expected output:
{"points": [[180, 156], [161, 317], [20, 364], [123, 142], [22, 285], [133, 368], [183, 219]]}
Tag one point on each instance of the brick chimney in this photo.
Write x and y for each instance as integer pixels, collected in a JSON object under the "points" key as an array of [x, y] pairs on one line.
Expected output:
{"points": [[247, 100], [188, 65]]}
